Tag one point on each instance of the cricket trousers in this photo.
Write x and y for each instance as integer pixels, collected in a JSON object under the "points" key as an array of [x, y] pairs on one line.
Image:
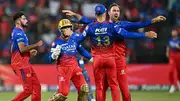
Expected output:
{"points": [[105, 70], [68, 73], [31, 85], [175, 68], [122, 79]]}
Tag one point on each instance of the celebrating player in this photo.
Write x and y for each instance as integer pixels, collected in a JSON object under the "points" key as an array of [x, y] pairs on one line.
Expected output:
{"points": [[173, 53], [64, 51], [21, 52], [101, 34], [120, 50]]}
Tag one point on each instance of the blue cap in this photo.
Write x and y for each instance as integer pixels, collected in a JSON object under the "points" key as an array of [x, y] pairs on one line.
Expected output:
{"points": [[100, 9]]}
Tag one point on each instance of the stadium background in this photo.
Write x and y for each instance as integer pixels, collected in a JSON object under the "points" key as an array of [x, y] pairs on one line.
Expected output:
{"points": [[148, 64]]}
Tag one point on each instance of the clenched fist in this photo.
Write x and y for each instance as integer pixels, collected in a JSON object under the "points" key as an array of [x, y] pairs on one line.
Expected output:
{"points": [[158, 19], [39, 43], [151, 34], [33, 52]]}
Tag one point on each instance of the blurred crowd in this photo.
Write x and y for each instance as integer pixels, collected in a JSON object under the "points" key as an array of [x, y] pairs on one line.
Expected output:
{"points": [[44, 15]]}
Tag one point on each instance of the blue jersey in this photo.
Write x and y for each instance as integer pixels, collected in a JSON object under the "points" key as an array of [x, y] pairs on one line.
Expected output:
{"points": [[69, 50], [173, 43], [19, 60], [103, 34], [124, 24]]}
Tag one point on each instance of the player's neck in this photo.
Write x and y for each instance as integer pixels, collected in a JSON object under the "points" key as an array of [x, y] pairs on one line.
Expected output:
{"points": [[18, 26], [101, 19]]}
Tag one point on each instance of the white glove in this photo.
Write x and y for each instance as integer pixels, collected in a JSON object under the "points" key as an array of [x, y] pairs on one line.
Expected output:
{"points": [[56, 52], [91, 60]]}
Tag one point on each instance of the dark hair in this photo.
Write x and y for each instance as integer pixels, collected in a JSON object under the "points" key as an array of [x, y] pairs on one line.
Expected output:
{"points": [[17, 15], [113, 4]]}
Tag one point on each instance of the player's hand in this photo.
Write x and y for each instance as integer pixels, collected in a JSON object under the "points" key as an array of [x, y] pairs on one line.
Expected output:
{"points": [[33, 52], [91, 60], [39, 43], [151, 34], [69, 13], [56, 52], [158, 19]]}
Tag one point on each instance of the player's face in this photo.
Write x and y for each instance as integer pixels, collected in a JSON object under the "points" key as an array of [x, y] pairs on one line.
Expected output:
{"points": [[23, 21], [67, 31], [174, 33], [114, 13]]}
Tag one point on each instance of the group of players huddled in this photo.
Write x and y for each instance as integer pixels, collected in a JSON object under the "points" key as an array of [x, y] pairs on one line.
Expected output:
{"points": [[108, 55]]}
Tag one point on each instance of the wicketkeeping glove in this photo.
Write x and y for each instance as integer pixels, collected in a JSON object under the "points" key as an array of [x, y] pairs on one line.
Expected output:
{"points": [[56, 52]]}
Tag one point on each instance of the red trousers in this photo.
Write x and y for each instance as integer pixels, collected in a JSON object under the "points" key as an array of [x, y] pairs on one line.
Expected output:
{"points": [[122, 78], [175, 68], [68, 73], [30, 83], [105, 70]]}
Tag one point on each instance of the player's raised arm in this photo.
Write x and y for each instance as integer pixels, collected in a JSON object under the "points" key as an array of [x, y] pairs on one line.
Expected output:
{"points": [[124, 33], [135, 25]]}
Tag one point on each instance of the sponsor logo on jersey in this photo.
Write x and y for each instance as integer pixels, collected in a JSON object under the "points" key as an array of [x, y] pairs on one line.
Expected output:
{"points": [[101, 31]]}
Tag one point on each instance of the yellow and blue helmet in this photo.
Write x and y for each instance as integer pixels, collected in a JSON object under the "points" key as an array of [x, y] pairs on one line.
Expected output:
{"points": [[64, 23]]}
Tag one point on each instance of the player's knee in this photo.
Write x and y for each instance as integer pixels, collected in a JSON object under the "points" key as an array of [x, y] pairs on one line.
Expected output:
{"points": [[84, 88], [83, 94], [57, 97]]}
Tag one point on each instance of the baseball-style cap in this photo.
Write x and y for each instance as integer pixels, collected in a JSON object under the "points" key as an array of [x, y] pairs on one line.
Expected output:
{"points": [[100, 9]]}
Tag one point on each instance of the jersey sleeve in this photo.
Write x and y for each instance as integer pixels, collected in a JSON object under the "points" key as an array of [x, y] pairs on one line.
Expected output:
{"points": [[19, 37], [53, 46], [83, 35], [85, 20], [134, 25], [84, 52], [121, 32]]}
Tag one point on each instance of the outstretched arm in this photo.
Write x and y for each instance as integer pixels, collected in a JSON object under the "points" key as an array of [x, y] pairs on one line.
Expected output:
{"points": [[124, 33], [84, 52], [77, 17], [135, 25]]}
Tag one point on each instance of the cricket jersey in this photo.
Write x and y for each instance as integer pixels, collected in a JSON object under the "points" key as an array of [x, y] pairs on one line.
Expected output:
{"points": [[19, 60], [120, 46], [69, 50], [173, 43], [102, 35]]}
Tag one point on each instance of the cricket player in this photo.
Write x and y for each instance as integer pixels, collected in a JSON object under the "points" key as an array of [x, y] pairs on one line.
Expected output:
{"points": [[173, 53], [21, 52], [101, 34], [64, 51], [120, 50]]}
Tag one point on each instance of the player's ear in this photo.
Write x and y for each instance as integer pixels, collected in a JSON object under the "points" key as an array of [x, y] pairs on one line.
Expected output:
{"points": [[108, 12]]}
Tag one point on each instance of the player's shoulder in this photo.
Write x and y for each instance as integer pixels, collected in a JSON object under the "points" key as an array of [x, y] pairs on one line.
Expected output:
{"points": [[58, 40], [17, 32]]}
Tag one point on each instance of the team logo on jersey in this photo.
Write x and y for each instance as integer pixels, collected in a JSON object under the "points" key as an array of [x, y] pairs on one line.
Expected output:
{"points": [[123, 72], [53, 44], [61, 79]]}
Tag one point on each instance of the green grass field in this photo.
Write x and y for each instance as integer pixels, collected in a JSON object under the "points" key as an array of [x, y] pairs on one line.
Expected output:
{"points": [[136, 96]]}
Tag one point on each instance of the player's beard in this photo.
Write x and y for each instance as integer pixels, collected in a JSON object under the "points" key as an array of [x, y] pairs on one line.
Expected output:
{"points": [[24, 25], [116, 17]]}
